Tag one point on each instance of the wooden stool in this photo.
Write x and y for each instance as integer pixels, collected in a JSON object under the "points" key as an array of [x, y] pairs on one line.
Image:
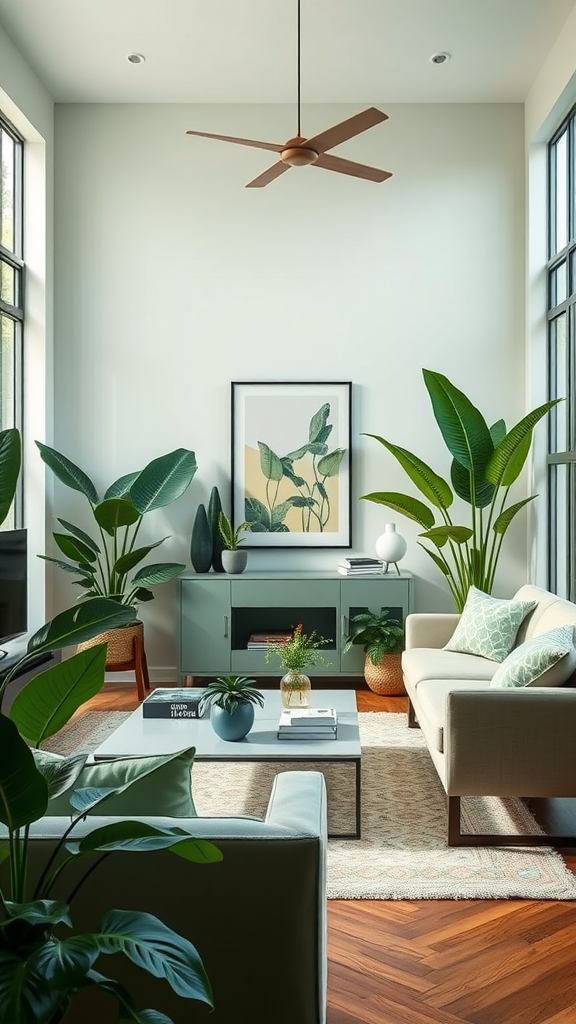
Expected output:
{"points": [[137, 664]]}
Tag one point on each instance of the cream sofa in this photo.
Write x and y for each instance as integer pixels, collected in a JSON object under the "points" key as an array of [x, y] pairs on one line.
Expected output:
{"points": [[257, 918], [487, 741]]}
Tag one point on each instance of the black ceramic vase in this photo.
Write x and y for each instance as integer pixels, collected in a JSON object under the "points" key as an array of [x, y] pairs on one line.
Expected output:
{"points": [[214, 510], [201, 543]]}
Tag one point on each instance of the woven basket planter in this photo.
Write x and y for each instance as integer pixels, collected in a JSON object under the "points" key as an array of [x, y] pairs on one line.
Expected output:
{"points": [[120, 643], [385, 678]]}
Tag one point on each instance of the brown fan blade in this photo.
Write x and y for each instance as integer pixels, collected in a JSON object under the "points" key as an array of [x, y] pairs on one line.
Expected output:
{"points": [[346, 129], [335, 163], [241, 142], [267, 176]]}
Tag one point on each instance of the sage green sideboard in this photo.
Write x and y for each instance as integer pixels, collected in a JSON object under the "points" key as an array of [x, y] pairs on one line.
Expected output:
{"points": [[217, 613]]}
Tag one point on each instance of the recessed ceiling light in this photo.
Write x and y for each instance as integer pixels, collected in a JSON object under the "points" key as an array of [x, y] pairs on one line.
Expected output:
{"points": [[439, 58], [136, 58]]}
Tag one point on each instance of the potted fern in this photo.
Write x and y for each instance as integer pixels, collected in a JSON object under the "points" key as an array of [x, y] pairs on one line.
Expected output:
{"points": [[231, 700], [381, 637]]}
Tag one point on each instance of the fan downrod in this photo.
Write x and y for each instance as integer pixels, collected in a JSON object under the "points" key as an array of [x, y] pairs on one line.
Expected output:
{"points": [[297, 155]]}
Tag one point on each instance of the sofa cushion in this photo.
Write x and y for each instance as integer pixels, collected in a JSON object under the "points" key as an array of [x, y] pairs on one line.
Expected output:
{"points": [[434, 663], [160, 785], [546, 660], [488, 625], [432, 705]]}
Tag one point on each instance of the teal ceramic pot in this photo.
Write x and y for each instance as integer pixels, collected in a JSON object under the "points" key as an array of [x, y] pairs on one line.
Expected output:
{"points": [[235, 726]]}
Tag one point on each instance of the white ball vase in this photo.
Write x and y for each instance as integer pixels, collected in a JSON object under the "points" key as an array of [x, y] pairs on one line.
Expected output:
{"points": [[391, 546]]}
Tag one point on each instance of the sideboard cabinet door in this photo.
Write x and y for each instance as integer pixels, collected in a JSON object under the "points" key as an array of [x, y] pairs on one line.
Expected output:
{"points": [[204, 625]]}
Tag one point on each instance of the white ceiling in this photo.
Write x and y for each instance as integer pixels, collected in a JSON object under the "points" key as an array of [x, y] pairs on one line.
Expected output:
{"points": [[222, 51]]}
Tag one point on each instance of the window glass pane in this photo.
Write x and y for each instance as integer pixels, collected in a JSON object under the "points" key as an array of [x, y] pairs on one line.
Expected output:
{"points": [[558, 285], [8, 284], [558, 422], [561, 187], [7, 372], [7, 191], [558, 532]]}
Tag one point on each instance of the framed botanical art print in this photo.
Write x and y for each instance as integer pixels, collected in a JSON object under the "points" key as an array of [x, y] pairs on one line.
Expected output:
{"points": [[291, 470]]}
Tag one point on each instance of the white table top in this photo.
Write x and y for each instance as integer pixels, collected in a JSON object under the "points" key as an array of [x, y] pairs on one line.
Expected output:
{"points": [[138, 735]]}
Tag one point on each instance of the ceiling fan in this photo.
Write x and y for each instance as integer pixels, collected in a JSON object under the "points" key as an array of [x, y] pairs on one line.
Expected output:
{"points": [[298, 152]]}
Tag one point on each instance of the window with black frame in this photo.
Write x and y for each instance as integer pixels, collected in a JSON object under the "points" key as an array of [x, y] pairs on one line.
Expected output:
{"points": [[561, 270], [11, 287]]}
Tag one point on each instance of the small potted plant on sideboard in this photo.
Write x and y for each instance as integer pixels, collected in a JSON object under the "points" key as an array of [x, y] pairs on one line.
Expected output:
{"points": [[234, 558]]}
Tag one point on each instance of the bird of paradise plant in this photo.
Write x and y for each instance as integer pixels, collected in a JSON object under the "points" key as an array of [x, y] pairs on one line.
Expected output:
{"points": [[486, 462]]}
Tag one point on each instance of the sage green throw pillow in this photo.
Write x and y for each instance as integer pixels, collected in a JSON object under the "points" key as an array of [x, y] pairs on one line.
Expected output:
{"points": [[488, 625], [161, 784], [545, 660]]}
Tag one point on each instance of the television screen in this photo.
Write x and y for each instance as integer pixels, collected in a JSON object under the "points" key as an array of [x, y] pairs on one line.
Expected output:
{"points": [[13, 583]]}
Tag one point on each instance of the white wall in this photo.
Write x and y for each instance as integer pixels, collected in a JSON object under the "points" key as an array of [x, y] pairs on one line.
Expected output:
{"points": [[25, 102], [172, 280]]}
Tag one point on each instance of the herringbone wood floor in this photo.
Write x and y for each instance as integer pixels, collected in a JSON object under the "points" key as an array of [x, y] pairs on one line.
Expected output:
{"points": [[440, 961]]}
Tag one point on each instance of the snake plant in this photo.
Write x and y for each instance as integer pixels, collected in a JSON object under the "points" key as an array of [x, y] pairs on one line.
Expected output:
{"points": [[486, 462]]}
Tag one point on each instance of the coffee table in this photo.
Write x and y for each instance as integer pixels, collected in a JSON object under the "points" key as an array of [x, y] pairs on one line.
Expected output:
{"points": [[139, 735]]}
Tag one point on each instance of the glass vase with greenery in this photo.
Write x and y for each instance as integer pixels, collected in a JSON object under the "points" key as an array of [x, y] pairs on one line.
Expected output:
{"points": [[295, 653]]}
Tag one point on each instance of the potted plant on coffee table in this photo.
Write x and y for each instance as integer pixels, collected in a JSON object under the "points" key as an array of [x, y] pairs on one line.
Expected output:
{"points": [[231, 701], [381, 637], [234, 558], [103, 563]]}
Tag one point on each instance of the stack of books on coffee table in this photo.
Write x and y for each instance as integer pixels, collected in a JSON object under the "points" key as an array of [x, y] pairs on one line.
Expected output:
{"points": [[308, 724]]}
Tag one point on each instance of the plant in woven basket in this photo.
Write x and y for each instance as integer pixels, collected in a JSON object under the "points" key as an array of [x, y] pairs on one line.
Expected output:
{"points": [[377, 633], [104, 565]]}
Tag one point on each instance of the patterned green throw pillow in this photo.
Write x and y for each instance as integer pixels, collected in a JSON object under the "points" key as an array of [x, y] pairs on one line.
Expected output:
{"points": [[545, 660], [488, 625]]}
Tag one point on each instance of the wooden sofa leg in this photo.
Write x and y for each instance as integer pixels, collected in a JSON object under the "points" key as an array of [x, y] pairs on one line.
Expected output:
{"points": [[412, 720]]}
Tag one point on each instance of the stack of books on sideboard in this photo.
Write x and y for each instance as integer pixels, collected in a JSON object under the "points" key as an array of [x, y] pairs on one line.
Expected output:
{"points": [[361, 566], [308, 724]]}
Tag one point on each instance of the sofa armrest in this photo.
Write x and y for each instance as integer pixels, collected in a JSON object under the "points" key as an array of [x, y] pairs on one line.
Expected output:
{"points": [[430, 629], [298, 802], [508, 742]]}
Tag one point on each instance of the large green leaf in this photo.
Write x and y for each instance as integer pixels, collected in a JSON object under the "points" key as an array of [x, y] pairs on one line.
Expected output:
{"points": [[115, 513], [161, 572], [509, 456], [67, 472], [23, 791], [60, 772], [440, 535], [74, 548], [127, 562], [505, 518], [38, 912], [462, 484], [25, 997], [10, 463], [432, 486], [75, 625], [154, 947], [50, 698], [81, 535], [270, 464], [462, 425], [67, 567], [329, 465], [121, 487], [163, 480], [133, 836], [405, 504]]}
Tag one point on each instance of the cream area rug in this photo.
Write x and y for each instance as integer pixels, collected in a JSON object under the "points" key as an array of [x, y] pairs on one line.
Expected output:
{"points": [[403, 852]]}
